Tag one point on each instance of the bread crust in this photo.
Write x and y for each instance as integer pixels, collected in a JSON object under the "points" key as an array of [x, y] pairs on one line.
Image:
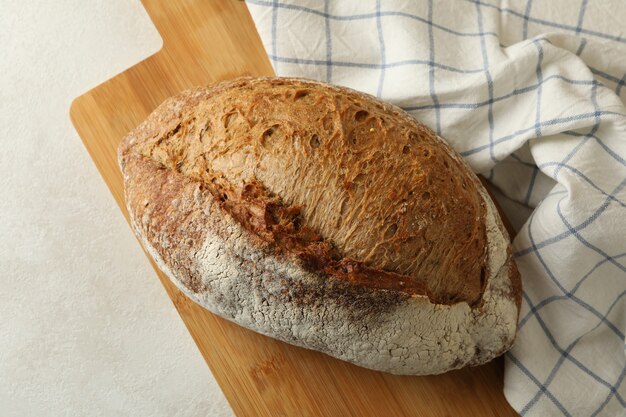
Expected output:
{"points": [[232, 271]]}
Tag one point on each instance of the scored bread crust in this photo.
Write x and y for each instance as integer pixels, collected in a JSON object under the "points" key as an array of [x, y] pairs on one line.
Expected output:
{"points": [[231, 271]]}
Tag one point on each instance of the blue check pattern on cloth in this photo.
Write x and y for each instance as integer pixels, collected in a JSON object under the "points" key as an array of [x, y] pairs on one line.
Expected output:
{"points": [[532, 94]]}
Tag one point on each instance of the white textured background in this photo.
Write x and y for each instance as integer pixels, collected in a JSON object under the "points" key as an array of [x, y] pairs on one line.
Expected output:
{"points": [[85, 327]]}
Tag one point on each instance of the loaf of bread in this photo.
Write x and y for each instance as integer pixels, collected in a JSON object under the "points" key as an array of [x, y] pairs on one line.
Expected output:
{"points": [[325, 218]]}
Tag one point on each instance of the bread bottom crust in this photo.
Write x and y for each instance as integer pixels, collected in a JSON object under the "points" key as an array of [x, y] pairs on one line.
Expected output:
{"points": [[230, 272]]}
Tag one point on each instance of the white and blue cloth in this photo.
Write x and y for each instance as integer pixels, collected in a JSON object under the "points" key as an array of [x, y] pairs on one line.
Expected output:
{"points": [[532, 94]]}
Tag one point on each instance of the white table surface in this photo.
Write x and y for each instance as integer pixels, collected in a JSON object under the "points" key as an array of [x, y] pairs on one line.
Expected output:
{"points": [[85, 327]]}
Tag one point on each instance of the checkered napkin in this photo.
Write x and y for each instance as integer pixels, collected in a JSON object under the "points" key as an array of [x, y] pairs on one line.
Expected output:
{"points": [[532, 94]]}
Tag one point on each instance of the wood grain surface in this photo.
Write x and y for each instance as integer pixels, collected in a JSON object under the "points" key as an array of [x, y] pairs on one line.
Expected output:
{"points": [[206, 41]]}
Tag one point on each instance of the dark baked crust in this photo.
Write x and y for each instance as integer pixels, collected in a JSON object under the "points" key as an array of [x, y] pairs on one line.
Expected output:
{"points": [[380, 188]]}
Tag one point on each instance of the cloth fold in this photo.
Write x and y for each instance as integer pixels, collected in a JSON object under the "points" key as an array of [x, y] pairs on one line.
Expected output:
{"points": [[532, 94]]}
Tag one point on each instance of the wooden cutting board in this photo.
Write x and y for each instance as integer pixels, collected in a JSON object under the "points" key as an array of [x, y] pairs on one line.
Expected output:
{"points": [[206, 41]]}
